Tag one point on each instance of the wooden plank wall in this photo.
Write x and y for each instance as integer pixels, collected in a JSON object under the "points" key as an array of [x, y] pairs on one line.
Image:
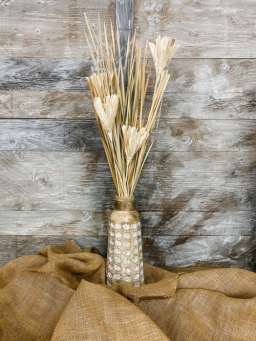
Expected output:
{"points": [[197, 193]]}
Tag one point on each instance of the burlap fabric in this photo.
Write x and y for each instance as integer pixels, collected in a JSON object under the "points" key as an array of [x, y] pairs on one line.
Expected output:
{"points": [[60, 294]]}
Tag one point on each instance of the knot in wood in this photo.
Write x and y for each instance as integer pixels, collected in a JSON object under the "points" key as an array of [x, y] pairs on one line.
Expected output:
{"points": [[41, 180], [158, 8], [86, 216], [152, 21], [224, 66], [19, 154], [186, 140]]}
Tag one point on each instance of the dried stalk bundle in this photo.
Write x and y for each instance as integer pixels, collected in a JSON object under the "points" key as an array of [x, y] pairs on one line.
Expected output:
{"points": [[119, 88]]}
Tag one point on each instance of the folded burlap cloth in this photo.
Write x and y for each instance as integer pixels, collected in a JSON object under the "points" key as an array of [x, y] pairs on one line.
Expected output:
{"points": [[60, 294]]}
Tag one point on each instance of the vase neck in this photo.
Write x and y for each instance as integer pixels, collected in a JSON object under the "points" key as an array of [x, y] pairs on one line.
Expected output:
{"points": [[124, 203]]}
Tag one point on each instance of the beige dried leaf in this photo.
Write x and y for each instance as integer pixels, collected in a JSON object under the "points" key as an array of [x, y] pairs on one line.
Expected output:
{"points": [[107, 112], [162, 52], [101, 82], [133, 140]]}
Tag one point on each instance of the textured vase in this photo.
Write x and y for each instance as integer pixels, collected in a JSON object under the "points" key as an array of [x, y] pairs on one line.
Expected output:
{"points": [[124, 259]]}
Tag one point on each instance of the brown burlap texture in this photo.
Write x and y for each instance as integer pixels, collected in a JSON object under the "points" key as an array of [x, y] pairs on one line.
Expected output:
{"points": [[60, 294]]}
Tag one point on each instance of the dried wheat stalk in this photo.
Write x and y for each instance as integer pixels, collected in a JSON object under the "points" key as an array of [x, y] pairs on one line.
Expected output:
{"points": [[119, 90]]}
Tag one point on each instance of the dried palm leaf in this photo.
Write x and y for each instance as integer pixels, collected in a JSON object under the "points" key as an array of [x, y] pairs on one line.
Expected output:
{"points": [[162, 52], [107, 112], [133, 141]]}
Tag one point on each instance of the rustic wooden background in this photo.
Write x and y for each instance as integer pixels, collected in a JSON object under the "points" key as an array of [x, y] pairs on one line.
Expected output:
{"points": [[197, 194]]}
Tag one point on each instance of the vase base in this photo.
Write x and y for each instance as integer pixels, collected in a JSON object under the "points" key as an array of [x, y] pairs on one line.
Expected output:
{"points": [[125, 260]]}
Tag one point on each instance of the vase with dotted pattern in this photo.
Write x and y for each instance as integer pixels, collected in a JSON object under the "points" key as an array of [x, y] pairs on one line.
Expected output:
{"points": [[124, 257]]}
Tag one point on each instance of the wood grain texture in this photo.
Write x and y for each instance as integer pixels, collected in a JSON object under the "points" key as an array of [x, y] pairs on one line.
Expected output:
{"points": [[198, 181], [237, 252], [44, 74], [219, 105], [124, 23], [125, 14], [202, 76], [78, 105], [185, 134], [212, 76], [204, 29], [45, 104], [16, 246], [50, 29], [168, 222], [8, 249], [190, 134], [27, 245], [49, 135], [197, 193], [172, 251], [171, 181]]}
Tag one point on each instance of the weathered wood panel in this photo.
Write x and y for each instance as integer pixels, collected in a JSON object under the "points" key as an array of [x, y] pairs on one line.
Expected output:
{"points": [[203, 181], [154, 223], [189, 75], [218, 105], [78, 105], [49, 29], [124, 23], [212, 75], [8, 249], [27, 245], [205, 135], [171, 251], [204, 29], [16, 246], [45, 104], [197, 192], [125, 14], [49, 135], [185, 134], [198, 181], [53, 29], [44, 74], [237, 252]]}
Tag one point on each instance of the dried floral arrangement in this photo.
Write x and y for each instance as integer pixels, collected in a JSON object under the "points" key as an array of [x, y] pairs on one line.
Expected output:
{"points": [[121, 85], [125, 119]]}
